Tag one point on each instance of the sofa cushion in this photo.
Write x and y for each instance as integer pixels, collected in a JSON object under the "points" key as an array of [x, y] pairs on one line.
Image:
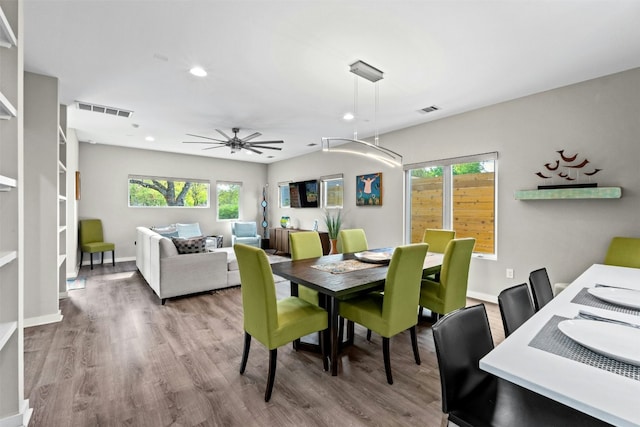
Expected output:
{"points": [[187, 231], [245, 229], [166, 230], [194, 245]]}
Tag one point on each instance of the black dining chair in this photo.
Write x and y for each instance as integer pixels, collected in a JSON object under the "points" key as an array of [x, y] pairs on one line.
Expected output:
{"points": [[473, 397], [515, 307], [541, 289]]}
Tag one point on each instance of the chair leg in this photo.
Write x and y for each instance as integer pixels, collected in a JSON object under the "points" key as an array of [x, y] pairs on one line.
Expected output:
{"points": [[351, 332], [273, 355], [323, 351], [91, 256], [113, 258], [368, 334], [414, 344], [245, 352], [101, 258], [81, 256], [387, 360]]}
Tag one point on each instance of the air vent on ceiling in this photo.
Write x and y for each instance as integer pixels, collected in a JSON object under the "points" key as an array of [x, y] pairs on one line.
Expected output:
{"points": [[104, 109], [430, 109]]}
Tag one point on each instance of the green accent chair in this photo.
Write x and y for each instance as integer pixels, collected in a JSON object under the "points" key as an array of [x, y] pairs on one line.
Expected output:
{"points": [[354, 240], [438, 239], [92, 241], [394, 310], [273, 323], [450, 292], [624, 252], [303, 245]]}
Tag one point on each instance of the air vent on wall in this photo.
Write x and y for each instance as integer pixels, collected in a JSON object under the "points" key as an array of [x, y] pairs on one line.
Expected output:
{"points": [[430, 109], [104, 109]]}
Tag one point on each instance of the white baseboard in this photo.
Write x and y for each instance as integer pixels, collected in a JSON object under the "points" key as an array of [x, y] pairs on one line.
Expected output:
{"points": [[21, 419], [483, 297], [108, 261], [42, 320]]}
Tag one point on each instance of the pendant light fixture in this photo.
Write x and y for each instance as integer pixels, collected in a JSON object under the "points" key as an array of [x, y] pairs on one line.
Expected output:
{"points": [[373, 150]]}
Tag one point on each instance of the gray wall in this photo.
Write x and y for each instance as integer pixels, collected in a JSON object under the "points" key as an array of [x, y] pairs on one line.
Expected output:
{"points": [[104, 171], [599, 119]]}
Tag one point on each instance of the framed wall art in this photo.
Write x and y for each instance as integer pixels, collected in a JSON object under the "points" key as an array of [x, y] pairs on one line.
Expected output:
{"points": [[369, 189]]}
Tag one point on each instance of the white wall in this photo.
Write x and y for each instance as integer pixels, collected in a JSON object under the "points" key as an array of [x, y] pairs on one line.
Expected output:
{"points": [[104, 172], [598, 119], [72, 205]]}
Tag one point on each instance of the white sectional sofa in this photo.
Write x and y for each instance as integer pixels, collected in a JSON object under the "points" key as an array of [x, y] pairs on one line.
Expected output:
{"points": [[171, 274]]}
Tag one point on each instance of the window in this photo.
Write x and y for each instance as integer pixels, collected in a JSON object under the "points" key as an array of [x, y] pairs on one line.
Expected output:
{"points": [[151, 191], [284, 200], [332, 189], [457, 194], [228, 200]]}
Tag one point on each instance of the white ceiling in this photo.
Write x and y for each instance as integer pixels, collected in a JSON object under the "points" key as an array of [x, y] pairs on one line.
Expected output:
{"points": [[282, 67]]}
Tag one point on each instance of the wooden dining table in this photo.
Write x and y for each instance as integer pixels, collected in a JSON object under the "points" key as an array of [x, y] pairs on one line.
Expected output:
{"points": [[540, 357], [332, 287]]}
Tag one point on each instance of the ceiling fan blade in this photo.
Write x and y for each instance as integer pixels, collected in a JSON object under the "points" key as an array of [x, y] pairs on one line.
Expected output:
{"points": [[253, 135], [267, 142], [223, 134], [246, 147], [206, 137], [261, 147], [203, 142], [219, 146]]}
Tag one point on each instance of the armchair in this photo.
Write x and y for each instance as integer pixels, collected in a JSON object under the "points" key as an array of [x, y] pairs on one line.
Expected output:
{"points": [[245, 233]]}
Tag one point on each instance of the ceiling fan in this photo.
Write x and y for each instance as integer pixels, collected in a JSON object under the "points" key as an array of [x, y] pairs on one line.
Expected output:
{"points": [[235, 143]]}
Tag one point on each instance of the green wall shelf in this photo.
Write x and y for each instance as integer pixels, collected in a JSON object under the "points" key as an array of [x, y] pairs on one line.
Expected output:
{"points": [[570, 193]]}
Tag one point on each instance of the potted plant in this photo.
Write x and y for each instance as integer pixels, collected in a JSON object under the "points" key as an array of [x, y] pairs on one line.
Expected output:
{"points": [[333, 223]]}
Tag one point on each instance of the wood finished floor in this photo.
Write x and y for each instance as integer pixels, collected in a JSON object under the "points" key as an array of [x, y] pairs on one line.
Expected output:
{"points": [[120, 358]]}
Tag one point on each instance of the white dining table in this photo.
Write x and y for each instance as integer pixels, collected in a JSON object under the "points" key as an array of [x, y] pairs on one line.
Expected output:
{"points": [[606, 395]]}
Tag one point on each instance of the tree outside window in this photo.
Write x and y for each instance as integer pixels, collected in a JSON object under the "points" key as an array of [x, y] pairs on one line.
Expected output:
{"points": [[168, 192], [228, 200]]}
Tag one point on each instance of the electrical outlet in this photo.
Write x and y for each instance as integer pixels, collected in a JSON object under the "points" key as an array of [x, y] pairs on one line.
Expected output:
{"points": [[509, 273]]}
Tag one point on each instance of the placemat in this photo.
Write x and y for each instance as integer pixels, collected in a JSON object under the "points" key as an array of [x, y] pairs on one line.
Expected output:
{"points": [[552, 340], [585, 298], [344, 266]]}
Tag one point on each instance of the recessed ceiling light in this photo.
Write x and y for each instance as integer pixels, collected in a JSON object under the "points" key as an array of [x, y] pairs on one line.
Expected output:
{"points": [[149, 138], [198, 71], [348, 116]]}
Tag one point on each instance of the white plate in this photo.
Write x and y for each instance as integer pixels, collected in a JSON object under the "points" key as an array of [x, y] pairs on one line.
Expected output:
{"points": [[618, 296], [614, 341], [374, 257]]}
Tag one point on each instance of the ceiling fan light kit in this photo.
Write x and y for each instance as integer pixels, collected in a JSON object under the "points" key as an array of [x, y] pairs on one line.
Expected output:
{"points": [[379, 153]]}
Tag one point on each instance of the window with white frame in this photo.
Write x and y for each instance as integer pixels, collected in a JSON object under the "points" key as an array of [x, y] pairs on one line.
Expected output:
{"points": [[228, 199], [457, 194], [332, 189], [284, 199]]}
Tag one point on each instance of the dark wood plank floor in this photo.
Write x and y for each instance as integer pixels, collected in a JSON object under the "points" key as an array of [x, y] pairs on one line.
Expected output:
{"points": [[120, 358]]}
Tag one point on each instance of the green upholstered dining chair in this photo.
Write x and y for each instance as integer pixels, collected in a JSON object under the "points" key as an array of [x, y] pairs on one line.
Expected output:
{"points": [[450, 292], [624, 252], [273, 323], [353, 240], [305, 244], [92, 241], [394, 310], [438, 239]]}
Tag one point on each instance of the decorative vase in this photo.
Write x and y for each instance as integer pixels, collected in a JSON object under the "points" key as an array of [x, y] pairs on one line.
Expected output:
{"points": [[334, 247], [284, 221]]}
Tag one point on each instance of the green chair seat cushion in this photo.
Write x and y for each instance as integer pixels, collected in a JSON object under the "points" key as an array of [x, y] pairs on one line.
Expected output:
{"points": [[97, 247], [296, 318], [308, 295], [367, 311]]}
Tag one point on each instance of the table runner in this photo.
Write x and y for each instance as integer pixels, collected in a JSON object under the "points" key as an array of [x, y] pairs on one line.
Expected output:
{"points": [[344, 266], [585, 298], [552, 340]]}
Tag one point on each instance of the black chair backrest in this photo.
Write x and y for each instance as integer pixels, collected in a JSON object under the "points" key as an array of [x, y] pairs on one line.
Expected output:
{"points": [[540, 288], [515, 307], [462, 338]]}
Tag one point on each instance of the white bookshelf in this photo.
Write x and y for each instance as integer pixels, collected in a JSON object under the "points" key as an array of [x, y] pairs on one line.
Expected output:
{"points": [[6, 257], [6, 183]]}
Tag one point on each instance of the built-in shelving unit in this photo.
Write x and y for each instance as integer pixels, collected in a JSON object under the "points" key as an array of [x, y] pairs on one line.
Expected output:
{"points": [[14, 409], [62, 197], [570, 193]]}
